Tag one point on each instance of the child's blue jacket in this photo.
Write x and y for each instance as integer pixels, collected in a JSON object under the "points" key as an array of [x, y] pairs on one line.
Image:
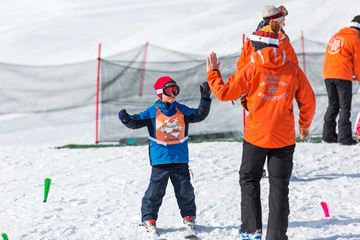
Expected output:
{"points": [[176, 153]]}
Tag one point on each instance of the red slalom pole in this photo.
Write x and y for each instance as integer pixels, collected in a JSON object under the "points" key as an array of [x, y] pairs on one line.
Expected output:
{"points": [[142, 77], [303, 50], [97, 95], [243, 111]]}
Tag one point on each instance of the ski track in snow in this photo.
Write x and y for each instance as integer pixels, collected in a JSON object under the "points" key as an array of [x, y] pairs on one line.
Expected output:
{"points": [[96, 193]]}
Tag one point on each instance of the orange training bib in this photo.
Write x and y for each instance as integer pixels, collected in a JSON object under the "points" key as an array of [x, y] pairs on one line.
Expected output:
{"points": [[170, 130]]}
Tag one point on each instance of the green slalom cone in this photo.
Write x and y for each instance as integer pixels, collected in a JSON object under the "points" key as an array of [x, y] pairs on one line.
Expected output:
{"points": [[4, 236], [46, 188]]}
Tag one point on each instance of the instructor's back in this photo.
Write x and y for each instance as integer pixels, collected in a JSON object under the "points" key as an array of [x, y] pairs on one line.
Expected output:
{"points": [[341, 66]]}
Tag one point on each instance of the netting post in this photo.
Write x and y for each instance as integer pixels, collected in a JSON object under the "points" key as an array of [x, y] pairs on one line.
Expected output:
{"points": [[142, 76], [243, 109], [97, 95], [303, 50]]}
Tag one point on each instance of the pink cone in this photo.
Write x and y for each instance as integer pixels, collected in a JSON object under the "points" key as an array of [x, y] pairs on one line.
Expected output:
{"points": [[325, 209]]}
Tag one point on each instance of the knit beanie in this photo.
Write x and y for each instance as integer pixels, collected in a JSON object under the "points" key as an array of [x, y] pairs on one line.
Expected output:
{"points": [[355, 23], [265, 37], [160, 83], [271, 12]]}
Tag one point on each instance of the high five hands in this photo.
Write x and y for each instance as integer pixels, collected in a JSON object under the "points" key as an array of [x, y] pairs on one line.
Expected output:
{"points": [[212, 62]]}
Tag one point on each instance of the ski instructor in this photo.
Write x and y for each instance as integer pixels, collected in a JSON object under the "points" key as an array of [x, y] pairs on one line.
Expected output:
{"points": [[271, 82], [341, 67]]}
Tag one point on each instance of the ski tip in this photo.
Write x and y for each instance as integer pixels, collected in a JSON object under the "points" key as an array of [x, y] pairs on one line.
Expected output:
{"points": [[191, 237]]}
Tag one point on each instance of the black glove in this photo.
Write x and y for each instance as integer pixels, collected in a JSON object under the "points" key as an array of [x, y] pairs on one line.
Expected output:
{"points": [[205, 90], [124, 116]]}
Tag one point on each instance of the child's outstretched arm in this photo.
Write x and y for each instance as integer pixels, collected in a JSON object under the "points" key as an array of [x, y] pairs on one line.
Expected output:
{"points": [[133, 121], [203, 110]]}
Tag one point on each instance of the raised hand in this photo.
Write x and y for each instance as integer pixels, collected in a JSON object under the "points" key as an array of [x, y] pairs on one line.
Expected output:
{"points": [[212, 62], [124, 116], [205, 90]]}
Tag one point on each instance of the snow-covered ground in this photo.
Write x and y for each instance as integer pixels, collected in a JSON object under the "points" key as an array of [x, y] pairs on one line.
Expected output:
{"points": [[96, 193]]}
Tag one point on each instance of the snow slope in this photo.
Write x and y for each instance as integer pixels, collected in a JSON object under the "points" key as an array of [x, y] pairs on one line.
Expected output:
{"points": [[96, 193], [62, 31]]}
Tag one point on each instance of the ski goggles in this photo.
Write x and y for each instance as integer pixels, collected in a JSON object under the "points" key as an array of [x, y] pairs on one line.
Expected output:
{"points": [[284, 12], [172, 89]]}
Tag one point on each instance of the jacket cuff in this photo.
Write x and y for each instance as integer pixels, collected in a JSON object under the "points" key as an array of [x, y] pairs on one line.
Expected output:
{"points": [[206, 99]]}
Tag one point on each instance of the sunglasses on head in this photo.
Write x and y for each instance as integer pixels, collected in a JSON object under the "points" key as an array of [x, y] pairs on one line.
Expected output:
{"points": [[172, 89]]}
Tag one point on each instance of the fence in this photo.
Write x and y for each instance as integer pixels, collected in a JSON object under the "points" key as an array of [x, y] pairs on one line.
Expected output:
{"points": [[126, 81]]}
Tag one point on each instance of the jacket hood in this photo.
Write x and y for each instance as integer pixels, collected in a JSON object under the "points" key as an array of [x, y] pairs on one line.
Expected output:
{"points": [[269, 57], [349, 31]]}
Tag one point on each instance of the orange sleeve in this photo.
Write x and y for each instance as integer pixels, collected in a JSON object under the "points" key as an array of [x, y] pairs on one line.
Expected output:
{"points": [[233, 89], [305, 98]]}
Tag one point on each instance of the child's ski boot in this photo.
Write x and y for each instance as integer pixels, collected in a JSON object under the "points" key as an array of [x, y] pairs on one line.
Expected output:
{"points": [[189, 224], [249, 236]]}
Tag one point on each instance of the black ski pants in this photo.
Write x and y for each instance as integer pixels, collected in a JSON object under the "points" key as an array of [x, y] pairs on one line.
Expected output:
{"points": [[279, 165], [184, 191], [339, 96]]}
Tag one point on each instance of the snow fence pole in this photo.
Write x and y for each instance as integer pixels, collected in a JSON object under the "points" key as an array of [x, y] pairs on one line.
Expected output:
{"points": [[303, 50], [142, 76], [243, 109], [97, 95]]}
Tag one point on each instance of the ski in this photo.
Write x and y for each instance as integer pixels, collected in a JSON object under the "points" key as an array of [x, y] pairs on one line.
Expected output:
{"points": [[155, 236], [152, 232], [190, 234]]}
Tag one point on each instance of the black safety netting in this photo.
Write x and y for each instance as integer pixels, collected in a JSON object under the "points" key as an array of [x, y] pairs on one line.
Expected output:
{"points": [[129, 85], [126, 82], [36, 89]]}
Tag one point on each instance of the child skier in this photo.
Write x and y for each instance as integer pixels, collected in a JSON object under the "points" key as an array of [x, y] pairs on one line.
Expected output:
{"points": [[168, 122]]}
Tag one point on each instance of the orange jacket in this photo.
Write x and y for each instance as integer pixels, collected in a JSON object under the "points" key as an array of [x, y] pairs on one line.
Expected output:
{"points": [[342, 57], [271, 83], [248, 49]]}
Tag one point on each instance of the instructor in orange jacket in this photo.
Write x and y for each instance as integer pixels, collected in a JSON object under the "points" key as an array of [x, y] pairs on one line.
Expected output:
{"points": [[271, 84], [341, 66], [270, 13]]}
